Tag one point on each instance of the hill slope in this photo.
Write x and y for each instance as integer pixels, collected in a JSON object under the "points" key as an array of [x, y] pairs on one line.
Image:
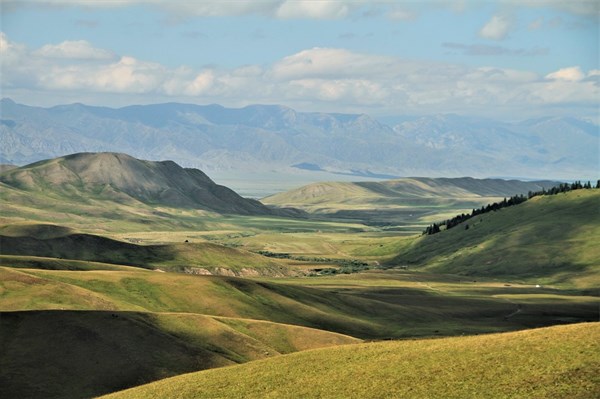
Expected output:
{"points": [[59, 354], [555, 362], [550, 238], [414, 201], [394, 191], [41, 245], [122, 178]]}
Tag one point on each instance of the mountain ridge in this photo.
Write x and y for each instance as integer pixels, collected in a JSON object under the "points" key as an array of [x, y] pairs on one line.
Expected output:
{"points": [[274, 138], [122, 178]]}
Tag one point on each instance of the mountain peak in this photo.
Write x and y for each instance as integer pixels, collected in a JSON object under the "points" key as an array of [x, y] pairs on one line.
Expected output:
{"points": [[121, 177]]}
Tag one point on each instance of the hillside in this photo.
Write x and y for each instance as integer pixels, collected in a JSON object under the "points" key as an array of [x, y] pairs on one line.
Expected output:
{"points": [[373, 305], [59, 354], [401, 201], [548, 239], [555, 362], [41, 245], [271, 138], [123, 179]]}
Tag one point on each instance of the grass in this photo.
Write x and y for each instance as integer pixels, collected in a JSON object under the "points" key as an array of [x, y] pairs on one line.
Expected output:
{"points": [[89, 353], [374, 305], [547, 240], [47, 246], [406, 205], [555, 362], [481, 280]]}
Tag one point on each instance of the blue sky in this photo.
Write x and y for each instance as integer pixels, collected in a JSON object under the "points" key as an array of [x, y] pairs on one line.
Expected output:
{"points": [[502, 59]]}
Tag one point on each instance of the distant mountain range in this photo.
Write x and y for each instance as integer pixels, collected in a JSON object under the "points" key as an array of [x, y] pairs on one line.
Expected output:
{"points": [[276, 138], [123, 179]]}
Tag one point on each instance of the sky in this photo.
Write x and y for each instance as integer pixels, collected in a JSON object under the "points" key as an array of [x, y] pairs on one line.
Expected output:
{"points": [[506, 59]]}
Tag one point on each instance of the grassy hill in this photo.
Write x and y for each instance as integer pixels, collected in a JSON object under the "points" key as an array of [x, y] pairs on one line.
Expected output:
{"points": [[123, 179], [42, 245], [59, 354], [372, 305], [555, 362], [548, 239], [401, 201]]}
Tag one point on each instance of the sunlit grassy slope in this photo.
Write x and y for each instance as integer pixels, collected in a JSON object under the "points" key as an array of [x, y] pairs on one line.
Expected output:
{"points": [[67, 354], [555, 362], [373, 305], [407, 203], [549, 239]]}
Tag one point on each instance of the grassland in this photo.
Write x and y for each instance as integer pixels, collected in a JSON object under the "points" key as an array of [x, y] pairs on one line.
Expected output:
{"points": [[405, 206], [547, 240], [75, 269], [60, 354], [555, 362], [374, 305]]}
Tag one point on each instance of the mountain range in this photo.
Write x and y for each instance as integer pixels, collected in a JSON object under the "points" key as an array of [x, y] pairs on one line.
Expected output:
{"points": [[278, 139]]}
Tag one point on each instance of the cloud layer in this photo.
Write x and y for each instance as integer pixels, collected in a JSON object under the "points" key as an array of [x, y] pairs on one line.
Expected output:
{"points": [[328, 79]]}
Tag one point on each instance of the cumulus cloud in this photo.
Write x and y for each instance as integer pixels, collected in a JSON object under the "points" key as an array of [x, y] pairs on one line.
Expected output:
{"points": [[312, 79], [571, 74], [322, 9], [496, 28]]}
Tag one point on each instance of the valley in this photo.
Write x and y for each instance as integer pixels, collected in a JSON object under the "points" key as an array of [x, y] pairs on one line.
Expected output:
{"points": [[116, 272]]}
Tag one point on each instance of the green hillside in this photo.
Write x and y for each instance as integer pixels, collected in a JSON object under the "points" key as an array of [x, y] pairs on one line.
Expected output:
{"points": [[548, 239], [60, 354], [405, 202], [123, 179], [555, 362], [373, 305], [36, 241]]}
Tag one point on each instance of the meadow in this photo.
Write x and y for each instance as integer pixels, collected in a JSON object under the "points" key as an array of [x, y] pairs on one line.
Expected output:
{"points": [[133, 293], [554, 362]]}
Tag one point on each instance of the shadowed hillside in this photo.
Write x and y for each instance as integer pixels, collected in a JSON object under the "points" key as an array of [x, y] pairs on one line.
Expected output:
{"points": [[555, 362], [42, 245], [60, 354], [370, 306]]}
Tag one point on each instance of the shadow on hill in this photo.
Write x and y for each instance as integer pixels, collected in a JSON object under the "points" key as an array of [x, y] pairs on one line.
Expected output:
{"points": [[81, 354], [87, 247]]}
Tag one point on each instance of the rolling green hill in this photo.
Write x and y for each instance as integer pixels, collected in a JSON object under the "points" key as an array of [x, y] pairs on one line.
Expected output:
{"points": [[555, 362], [401, 201], [123, 179], [60, 354], [548, 239], [373, 305], [39, 243]]}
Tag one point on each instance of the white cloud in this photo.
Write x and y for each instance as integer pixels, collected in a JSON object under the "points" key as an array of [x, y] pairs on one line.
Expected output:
{"points": [[496, 28], [327, 79], [571, 74], [77, 49], [313, 9]]}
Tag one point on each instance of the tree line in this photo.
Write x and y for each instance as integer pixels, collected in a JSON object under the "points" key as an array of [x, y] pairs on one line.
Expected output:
{"points": [[514, 200]]}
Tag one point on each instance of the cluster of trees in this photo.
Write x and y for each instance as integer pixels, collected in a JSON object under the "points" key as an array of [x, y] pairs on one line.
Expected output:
{"points": [[514, 200], [563, 188]]}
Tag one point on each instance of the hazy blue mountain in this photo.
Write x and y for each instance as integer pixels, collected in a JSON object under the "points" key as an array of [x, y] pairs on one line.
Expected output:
{"points": [[275, 138]]}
